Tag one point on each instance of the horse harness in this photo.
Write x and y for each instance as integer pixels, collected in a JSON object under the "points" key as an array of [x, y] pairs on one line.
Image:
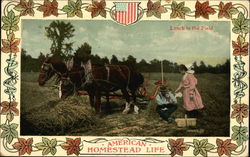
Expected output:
{"points": [[48, 73], [123, 75], [88, 75], [89, 78]]}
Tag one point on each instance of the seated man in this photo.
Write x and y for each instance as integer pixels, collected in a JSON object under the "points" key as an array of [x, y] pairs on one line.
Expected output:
{"points": [[166, 103]]}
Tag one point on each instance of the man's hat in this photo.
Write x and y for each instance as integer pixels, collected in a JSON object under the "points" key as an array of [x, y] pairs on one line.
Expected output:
{"points": [[163, 88]]}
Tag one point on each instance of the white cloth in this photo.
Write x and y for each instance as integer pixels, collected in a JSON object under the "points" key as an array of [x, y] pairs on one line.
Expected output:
{"points": [[184, 76], [190, 68], [178, 95], [167, 99]]}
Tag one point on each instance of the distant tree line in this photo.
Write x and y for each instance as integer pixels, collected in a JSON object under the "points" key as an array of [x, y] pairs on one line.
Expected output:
{"points": [[59, 31], [83, 53]]}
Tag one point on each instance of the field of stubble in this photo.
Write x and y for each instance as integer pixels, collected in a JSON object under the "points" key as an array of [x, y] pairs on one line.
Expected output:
{"points": [[43, 113]]}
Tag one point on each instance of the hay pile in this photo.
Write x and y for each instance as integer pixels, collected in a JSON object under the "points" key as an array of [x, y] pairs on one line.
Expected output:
{"points": [[59, 117]]}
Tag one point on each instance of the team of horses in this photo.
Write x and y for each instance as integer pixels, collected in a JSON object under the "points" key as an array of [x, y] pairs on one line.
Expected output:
{"points": [[97, 80]]}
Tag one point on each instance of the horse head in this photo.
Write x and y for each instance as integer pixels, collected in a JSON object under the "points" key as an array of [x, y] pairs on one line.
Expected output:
{"points": [[49, 68], [46, 72]]}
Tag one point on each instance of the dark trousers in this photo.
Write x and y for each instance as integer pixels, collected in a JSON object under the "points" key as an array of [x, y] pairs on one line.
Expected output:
{"points": [[193, 114], [165, 114]]}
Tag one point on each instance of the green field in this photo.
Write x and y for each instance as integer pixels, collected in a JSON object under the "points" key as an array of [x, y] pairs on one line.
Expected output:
{"points": [[43, 113]]}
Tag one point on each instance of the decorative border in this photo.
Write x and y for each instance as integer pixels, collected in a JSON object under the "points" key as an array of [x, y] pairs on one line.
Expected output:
{"points": [[14, 10]]}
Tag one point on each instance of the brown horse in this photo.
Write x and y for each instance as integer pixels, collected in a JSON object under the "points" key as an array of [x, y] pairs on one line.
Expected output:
{"points": [[49, 68], [97, 80]]}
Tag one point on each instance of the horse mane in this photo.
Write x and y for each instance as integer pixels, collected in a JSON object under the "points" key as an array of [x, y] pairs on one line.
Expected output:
{"points": [[59, 66]]}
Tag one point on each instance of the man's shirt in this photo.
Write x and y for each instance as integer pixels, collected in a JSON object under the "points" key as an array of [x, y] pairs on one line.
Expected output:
{"points": [[167, 99]]}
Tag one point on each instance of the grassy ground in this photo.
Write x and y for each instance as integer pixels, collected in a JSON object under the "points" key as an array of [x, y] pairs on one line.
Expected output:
{"points": [[43, 113]]}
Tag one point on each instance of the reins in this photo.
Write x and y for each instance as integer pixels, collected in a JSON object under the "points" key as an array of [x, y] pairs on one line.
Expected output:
{"points": [[88, 77], [53, 70], [118, 68]]}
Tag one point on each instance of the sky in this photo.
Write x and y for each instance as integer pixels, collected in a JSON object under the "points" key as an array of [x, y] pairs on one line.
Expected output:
{"points": [[144, 40]]}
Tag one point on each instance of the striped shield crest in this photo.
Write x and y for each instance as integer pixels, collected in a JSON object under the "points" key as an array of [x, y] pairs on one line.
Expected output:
{"points": [[126, 12]]}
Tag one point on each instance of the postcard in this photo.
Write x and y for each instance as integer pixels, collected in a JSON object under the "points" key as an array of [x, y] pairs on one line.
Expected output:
{"points": [[124, 78]]}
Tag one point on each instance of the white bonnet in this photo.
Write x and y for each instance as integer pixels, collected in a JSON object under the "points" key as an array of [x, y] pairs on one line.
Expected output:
{"points": [[190, 68]]}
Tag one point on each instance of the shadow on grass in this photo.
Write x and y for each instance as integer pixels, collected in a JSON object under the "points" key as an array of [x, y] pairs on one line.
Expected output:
{"points": [[110, 108]]}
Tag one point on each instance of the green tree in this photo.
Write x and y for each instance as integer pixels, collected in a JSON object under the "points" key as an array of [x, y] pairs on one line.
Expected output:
{"points": [[41, 58], [95, 59], [143, 66], [28, 63], [167, 66], [57, 32], [155, 65], [105, 60], [83, 52], [226, 66], [202, 67], [68, 50], [196, 68], [131, 61], [23, 59], [114, 60], [23, 54], [175, 67]]}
